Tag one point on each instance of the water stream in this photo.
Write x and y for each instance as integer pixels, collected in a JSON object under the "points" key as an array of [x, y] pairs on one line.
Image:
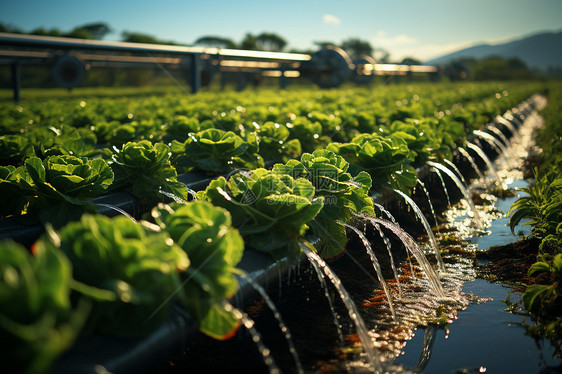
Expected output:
{"points": [[376, 265], [426, 192], [413, 248], [426, 226], [507, 124], [384, 211], [487, 160], [284, 329], [256, 337], [388, 246], [462, 188], [493, 141], [467, 155], [321, 267], [117, 209], [500, 135], [440, 176], [456, 170]]}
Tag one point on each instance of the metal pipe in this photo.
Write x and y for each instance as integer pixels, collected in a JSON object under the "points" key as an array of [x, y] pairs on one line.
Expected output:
{"points": [[16, 81], [36, 41]]}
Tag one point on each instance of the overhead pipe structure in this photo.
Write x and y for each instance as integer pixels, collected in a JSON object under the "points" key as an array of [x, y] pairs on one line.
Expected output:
{"points": [[70, 59]]}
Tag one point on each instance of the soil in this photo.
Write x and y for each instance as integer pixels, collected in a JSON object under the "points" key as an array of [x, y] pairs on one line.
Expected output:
{"points": [[510, 263]]}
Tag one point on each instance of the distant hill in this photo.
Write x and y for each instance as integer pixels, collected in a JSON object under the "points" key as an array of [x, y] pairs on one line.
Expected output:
{"points": [[540, 51]]}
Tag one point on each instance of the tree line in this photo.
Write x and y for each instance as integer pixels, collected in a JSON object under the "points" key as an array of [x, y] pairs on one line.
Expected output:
{"points": [[489, 68]]}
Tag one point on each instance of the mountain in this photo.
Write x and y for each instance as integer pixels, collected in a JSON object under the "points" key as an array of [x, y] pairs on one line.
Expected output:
{"points": [[539, 51]]}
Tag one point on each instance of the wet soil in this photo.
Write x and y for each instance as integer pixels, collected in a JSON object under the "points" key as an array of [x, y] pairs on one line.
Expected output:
{"points": [[509, 263]]}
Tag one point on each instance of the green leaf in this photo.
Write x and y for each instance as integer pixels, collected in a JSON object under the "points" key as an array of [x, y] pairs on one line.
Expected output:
{"points": [[214, 248], [144, 170], [535, 295], [271, 209], [37, 323], [116, 256], [219, 324], [538, 267]]}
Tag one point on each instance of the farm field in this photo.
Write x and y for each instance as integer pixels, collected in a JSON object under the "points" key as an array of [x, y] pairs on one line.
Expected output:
{"points": [[192, 187]]}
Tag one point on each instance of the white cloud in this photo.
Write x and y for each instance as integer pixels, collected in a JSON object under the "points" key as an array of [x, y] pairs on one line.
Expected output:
{"points": [[330, 19], [382, 40]]}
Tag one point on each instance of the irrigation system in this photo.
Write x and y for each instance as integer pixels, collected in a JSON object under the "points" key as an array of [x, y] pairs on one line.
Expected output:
{"points": [[70, 59]]}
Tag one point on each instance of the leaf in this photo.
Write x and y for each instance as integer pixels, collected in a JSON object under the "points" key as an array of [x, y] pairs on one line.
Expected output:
{"points": [[214, 248], [557, 266], [538, 267], [37, 323], [116, 256], [535, 295], [270, 208], [144, 170], [219, 324]]}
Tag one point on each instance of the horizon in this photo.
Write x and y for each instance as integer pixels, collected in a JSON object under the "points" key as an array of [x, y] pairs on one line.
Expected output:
{"points": [[422, 31]]}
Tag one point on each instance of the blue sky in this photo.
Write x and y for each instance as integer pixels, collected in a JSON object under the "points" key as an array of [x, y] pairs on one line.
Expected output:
{"points": [[406, 28]]}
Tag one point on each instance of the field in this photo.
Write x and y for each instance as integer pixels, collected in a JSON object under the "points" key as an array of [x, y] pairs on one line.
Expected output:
{"points": [[276, 170]]}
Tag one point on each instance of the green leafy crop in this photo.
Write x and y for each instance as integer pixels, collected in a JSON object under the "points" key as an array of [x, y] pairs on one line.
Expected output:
{"points": [[144, 169], [270, 210], [426, 138], [57, 189], [216, 151], [343, 195], [37, 322], [387, 159], [13, 149], [274, 145], [214, 248], [127, 269]]}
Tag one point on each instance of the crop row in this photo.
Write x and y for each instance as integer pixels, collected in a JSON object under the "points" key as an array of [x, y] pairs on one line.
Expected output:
{"points": [[97, 274]]}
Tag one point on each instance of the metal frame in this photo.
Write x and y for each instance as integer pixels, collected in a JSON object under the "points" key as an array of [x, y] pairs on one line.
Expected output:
{"points": [[18, 49]]}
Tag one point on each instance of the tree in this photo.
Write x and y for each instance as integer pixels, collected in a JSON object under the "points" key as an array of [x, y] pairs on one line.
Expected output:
{"points": [[78, 33], [9, 28], [215, 41], [137, 37], [97, 30], [44, 32], [249, 42], [497, 67], [356, 47], [270, 42]]}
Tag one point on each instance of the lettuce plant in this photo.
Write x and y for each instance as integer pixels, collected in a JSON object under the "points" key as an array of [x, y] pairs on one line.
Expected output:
{"points": [[14, 148], [343, 195], [128, 270], [216, 151], [387, 159], [274, 145], [56, 189], [425, 138], [214, 248], [144, 169], [37, 322], [542, 206], [270, 210]]}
